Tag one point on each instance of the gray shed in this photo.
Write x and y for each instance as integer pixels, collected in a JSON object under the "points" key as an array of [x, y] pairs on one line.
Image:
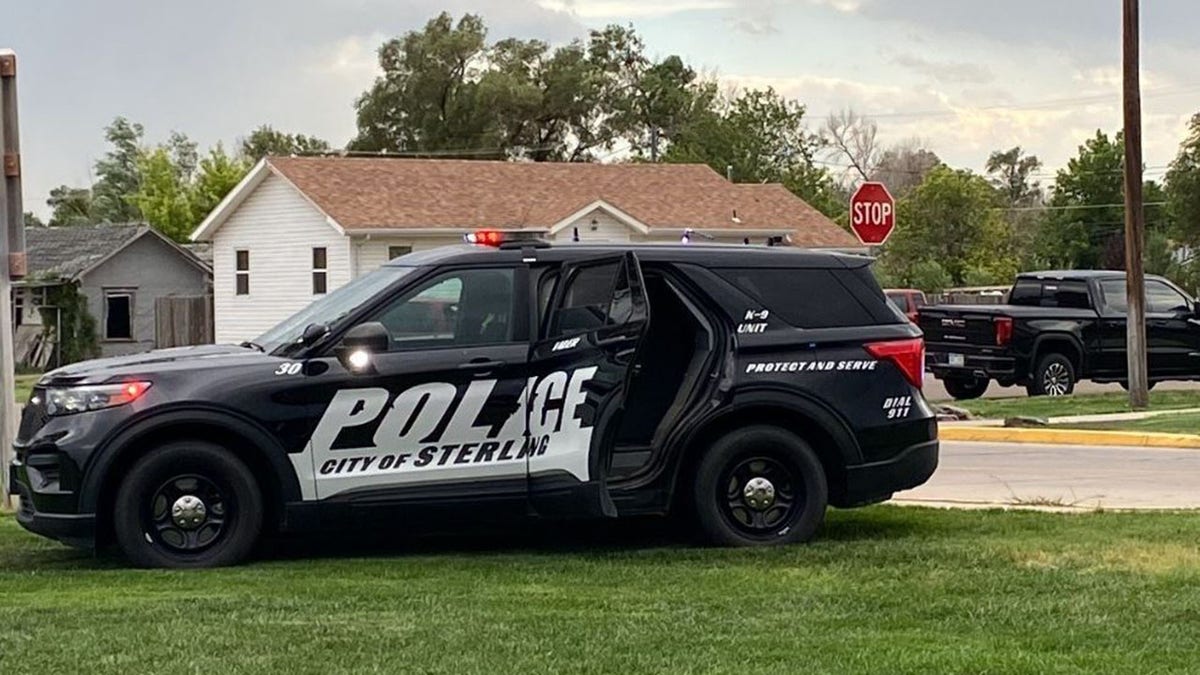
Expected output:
{"points": [[123, 271]]}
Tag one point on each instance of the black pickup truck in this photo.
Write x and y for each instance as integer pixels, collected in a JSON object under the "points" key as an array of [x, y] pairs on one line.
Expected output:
{"points": [[1058, 328]]}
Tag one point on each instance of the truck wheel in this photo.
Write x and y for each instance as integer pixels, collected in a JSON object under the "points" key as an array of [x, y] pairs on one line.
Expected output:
{"points": [[759, 486], [965, 389], [188, 504], [1054, 376]]}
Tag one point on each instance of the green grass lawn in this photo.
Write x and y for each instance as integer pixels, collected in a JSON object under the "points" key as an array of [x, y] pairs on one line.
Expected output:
{"points": [[884, 590], [24, 385], [1183, 423], [1088, 404]]}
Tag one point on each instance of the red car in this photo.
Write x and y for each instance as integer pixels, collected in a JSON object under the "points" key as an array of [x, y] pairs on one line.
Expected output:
{"points": [[907, 300]]}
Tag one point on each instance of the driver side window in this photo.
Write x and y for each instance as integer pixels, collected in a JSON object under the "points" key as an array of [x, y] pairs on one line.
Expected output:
{"points": [[455, 309], [1162, 299]]}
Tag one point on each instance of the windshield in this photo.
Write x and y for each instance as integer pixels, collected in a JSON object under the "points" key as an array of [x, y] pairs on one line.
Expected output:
{"points": [[329, 309]]}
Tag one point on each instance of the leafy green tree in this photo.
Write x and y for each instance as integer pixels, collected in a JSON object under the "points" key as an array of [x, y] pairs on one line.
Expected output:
{"points": [[1183, 187], [117, 176], [218, 174], [759, 136], [71, 206], [1011, 172], [163, 195], [1084, 228], [426, 98], [950, 224], [903, 167], [265, 140], [31, 220], [446, 91]]}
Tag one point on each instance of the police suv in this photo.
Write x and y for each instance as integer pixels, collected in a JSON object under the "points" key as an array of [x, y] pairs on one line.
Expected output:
{"points": [[749, 387]]}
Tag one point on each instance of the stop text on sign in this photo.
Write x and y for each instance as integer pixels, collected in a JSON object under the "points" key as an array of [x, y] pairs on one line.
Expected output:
{"points": [[872, 213]]}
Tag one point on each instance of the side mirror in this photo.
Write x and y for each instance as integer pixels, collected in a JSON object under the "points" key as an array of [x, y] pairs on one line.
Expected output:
{"points": [[313, 332], [358, 347]]}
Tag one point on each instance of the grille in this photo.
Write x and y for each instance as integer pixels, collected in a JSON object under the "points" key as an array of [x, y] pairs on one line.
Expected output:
{"points": [[34, 417]]}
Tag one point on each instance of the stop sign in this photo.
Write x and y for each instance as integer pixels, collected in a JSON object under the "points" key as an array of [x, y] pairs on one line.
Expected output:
{"points": [[872, 213]]}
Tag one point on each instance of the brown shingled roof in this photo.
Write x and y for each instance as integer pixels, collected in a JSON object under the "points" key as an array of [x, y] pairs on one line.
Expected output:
{"points": [[394, 193]]}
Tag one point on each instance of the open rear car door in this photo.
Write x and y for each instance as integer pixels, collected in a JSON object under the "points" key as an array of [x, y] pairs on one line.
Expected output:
{"points": [[581, 361]]}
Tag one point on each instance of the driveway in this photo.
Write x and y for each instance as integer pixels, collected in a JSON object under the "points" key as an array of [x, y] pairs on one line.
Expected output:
{"points": [[980, 474]]}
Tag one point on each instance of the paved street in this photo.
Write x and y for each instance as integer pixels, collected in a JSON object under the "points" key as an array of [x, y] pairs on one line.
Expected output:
{"points": [[1067, 476], [934, 391]]}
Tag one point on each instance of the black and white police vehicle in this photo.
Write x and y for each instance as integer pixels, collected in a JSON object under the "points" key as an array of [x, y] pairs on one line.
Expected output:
{"points": [[748, 386]]}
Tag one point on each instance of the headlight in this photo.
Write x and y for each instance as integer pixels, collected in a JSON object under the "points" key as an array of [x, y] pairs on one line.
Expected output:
{"points": [[70, 400]]}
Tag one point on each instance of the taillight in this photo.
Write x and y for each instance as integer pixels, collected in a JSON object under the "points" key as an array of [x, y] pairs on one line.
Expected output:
{"points": [[907, 355], [1004, 325]]}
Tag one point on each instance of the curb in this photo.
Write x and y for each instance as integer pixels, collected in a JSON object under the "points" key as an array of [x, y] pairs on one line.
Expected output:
{"points": [[1068, 437]]}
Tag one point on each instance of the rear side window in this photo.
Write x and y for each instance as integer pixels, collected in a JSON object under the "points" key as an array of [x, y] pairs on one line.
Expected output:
{"points": [[900, 300], [1050, 293], [805, 298]]}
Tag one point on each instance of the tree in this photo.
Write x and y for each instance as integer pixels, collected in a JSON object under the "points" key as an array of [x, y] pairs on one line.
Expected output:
{"points": [[950, 224], [426, 98], [852, 137], [162, 195], [1085, 224], [1011, 173], [117, 173], [265, 141], [759, 136], [31, 220], [218, 174], [1183, 187], [446, 91], [70, 206], [903, 167]]}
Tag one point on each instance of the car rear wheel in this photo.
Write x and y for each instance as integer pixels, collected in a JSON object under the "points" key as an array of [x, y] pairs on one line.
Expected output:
{"points": [[1054, 376], [188, 504], [963, 389], [760, 486]]}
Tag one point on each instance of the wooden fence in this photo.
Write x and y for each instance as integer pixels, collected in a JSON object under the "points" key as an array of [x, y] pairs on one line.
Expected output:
{"points": [[182, 321]]}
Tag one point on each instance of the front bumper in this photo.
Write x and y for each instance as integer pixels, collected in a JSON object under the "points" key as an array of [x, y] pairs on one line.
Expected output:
{"points": [[73, 529], [877, 481]]}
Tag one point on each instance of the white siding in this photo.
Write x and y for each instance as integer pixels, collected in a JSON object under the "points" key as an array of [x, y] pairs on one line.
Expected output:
{"points": [[607, 228], [279, 228], [372, 252]]}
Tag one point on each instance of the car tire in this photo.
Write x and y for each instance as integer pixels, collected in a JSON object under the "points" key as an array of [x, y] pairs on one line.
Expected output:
{"points": [[962, 389], [188, 504], [1054, 376], [760, 486]]}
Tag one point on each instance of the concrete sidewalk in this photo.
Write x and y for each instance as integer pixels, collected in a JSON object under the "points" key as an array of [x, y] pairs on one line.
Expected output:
{"points": [[994, 431], [1061, 478]]}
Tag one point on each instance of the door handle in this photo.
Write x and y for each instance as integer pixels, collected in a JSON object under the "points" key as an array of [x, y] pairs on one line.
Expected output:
{"points": [[615, 340], [481, 364]]}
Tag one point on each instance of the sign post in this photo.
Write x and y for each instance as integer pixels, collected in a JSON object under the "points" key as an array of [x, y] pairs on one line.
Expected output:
{"points": [[872, 213]]}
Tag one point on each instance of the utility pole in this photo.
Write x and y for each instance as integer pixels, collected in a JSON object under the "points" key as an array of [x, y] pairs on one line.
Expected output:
{"points": [[1135, 221], [12, 254]]}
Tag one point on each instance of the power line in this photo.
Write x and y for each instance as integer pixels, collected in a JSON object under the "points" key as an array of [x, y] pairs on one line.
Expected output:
{"points": [[1048, 207]]}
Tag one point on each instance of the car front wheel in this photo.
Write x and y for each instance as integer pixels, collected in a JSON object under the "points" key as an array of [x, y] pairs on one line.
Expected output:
{"points": [[188, 504], [758, 486]]}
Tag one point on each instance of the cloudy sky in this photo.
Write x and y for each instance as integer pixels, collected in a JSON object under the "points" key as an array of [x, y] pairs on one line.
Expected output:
{"points": [[966, 76]]}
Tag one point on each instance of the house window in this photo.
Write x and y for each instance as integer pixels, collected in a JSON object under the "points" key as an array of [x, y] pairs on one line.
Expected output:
{"points": [[118, 315], [320, 271], [18, 307], [397, 251], [243, 272]]}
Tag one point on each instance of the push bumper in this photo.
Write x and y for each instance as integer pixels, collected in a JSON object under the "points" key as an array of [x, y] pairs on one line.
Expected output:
{"points": [[877, 481], [73, 529]]}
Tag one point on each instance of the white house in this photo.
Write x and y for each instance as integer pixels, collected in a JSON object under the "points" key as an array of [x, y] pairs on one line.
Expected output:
{"points": [[297, 227]]}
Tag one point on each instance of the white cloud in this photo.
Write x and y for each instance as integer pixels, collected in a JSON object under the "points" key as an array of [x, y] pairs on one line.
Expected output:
{"points": [[631, 9]]}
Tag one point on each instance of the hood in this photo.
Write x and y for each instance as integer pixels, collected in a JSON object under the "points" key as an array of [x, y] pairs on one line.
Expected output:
{"points": [[147, 363]]}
